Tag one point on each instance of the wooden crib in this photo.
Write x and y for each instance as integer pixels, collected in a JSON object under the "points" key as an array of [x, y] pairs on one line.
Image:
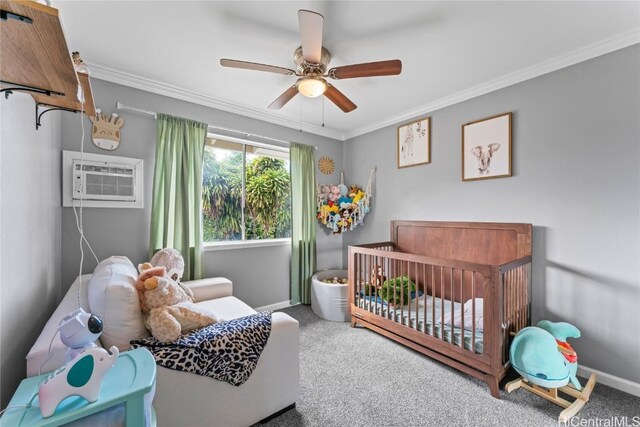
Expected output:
{"points": [[464, 291]]}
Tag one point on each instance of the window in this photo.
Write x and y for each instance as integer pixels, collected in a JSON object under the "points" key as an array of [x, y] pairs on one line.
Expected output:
{"points": [[246, 192]]}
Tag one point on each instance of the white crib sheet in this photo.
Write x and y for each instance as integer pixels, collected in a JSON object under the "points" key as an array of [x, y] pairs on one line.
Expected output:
{"points": [[395, 313]]}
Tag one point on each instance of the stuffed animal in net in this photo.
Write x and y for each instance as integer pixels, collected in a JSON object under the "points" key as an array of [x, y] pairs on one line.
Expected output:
{"points": [[173, 262], [168, 310]]}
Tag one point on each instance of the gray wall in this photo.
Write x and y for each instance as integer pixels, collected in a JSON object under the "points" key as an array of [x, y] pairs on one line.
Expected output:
{"points": [[576, 151], [30, 232], [260, 275]]}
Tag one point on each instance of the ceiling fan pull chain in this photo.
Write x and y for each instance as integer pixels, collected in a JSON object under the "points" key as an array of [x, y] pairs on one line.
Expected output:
{"points": [[323, 111]]}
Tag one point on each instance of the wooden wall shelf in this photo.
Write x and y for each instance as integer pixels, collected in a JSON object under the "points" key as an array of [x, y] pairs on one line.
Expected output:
{"points": [[35, 54]]}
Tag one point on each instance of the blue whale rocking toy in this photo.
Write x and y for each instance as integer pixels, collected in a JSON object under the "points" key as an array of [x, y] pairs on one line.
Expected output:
{"points": [[548, 365]]}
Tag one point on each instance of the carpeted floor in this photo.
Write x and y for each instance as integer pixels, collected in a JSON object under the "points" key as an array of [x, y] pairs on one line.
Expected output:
{"points": [[355, 377]]}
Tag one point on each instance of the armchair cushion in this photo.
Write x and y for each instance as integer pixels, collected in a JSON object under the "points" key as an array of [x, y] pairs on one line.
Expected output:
{"points": [[210, 288], [113, 297], [227, 308]]}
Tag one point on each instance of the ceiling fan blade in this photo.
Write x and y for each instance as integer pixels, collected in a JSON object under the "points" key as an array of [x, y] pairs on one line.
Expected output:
{"points": [[284, 98], [311, 24], [338, 98], [368, 69], [233, 63]]}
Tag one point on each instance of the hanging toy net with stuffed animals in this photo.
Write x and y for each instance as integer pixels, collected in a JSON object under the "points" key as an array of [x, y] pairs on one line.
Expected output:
{"points": [[340, 208]]}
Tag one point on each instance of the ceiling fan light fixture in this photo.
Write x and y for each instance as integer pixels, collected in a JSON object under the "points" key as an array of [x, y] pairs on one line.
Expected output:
{"points": [[312, 87]]}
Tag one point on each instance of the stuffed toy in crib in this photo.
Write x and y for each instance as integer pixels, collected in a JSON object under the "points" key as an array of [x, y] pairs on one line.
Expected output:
{"points": [[168, 310]]}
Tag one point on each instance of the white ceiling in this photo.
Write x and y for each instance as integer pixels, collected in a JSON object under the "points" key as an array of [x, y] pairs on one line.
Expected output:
{"points": [[450, 51]]}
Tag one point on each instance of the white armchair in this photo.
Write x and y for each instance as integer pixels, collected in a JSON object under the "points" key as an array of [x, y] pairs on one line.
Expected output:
{"points": [[185, 399]]}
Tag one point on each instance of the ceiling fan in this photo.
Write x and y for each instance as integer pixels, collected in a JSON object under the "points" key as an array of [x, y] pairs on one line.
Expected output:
{"points": [[311, 61]]}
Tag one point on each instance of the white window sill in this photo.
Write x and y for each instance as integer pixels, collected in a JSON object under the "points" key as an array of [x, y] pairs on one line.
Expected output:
{"points": [[236, 244]]}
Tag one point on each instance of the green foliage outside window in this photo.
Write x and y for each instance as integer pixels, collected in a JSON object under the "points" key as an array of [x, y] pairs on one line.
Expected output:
{"points": [[267, 198]]}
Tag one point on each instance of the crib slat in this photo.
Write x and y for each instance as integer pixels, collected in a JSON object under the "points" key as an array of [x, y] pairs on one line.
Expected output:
{"points": [[363, 266], [367, 275], [415, 270], [518, 280], [522, 296], [473, 311], [356, 287], [374, 274], [526, 290], [442, 303], [424, 294], [518, 298], [516, 286], [408, 294], [392, 274], [388, 274], [433, 301], [453, 309], [508, 298], [417, 295], [395, 273], [402, 270], [514, 298], [462, 309]]}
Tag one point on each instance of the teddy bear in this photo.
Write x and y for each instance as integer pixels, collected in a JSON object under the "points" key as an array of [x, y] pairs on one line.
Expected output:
{"points": [[168, 310], [147, 271], [173, 262]]}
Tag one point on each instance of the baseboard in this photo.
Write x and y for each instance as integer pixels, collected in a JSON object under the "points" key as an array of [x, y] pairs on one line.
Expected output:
{"points": [[611, 380], [273, 307]]}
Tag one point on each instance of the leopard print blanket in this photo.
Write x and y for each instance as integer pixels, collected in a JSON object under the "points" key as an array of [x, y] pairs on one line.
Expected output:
{"points": [[226, 351]]}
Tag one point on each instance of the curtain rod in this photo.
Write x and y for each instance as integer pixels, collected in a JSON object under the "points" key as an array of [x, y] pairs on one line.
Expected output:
{"points": [[121, 106]]}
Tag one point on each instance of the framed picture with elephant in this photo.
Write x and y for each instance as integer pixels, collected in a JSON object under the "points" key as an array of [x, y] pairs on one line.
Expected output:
{"points": [[486, 148]]}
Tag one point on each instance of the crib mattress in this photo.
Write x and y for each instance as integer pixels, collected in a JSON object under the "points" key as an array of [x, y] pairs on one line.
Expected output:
{"points": [[434, 329]]}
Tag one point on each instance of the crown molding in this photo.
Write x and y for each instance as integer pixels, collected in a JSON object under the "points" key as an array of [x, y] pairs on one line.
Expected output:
{"points": [[102, 72], [594, 50], [562, 61]]}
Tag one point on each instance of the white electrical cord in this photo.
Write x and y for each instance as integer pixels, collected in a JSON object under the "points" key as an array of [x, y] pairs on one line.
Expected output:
{"points": [[78, 225], [79, 222], [79, 216], [49, 354], [27, 406]]}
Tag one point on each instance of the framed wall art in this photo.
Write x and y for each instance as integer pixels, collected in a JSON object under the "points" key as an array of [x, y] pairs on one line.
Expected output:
{"points": [[414, 143], [486, 148]]}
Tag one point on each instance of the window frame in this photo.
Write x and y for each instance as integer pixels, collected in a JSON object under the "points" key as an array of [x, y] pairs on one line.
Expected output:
{"points": [[244, 243]]}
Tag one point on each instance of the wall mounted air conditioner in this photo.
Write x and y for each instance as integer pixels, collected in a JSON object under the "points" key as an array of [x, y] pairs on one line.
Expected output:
{"points": [[101, 181]]}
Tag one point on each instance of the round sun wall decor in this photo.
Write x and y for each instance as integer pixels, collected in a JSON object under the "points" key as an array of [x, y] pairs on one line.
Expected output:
{"points": [[326, 165]]}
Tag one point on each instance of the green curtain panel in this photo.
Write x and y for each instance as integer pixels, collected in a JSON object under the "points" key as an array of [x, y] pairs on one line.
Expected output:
{"points": [[176, 218], [303, 222]]}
